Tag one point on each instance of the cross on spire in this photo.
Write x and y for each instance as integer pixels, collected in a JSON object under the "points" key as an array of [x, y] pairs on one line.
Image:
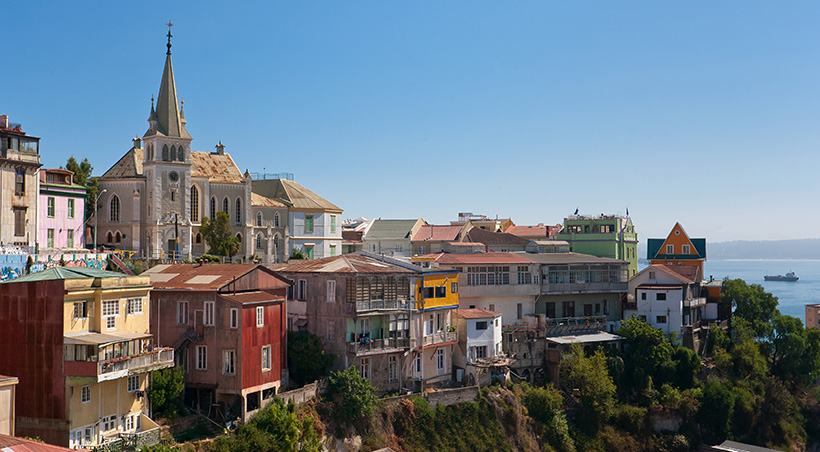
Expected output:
{"points": [[169, 24]]}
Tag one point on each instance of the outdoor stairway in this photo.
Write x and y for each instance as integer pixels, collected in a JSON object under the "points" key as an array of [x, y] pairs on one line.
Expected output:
{"points": [[120, 264]]}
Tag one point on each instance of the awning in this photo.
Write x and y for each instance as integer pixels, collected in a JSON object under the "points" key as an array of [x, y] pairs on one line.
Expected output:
{"points": [[103, 339]]}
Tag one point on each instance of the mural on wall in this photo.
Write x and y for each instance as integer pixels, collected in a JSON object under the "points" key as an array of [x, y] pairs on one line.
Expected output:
{"points": [[91, 262]]}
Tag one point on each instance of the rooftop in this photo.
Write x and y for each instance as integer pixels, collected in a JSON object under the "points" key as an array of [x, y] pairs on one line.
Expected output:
{"points": [[390, 229], [479, 258], [569, 258], [204, 277], [475, 313], [347, 263], [437, 233]]}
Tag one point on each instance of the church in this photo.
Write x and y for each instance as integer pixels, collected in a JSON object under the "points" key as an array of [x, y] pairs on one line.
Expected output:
{"points": [[153, 199]]}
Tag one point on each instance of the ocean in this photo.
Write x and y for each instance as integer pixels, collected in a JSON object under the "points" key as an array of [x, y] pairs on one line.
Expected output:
{"points": [[792, 296]]}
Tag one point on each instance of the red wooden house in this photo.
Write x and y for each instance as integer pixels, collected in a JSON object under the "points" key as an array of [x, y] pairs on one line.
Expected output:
{"points": [[228, 322]]}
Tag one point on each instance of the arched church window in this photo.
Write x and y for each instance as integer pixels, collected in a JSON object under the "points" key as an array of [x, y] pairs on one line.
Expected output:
{"points": [[198, 238], [118, 237], [213, 207], [225, 205], [276, 243], [276, 220], [181, 154], [239, 237], [238, 211], [259, 219], [173, 153], [114, 209], [194, 203], [259, 241], [109, 238], [164, 152]]}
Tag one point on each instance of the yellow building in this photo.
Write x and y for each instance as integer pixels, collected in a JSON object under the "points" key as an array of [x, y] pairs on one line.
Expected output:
{"points": [[89, 330], [436, 298]]}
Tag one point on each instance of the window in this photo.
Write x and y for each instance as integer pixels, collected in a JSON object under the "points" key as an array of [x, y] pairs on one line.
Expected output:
{"points": [[20, 183], [213, 207], [69, 238], [670, 249], [19, 221], [454, 287], [81, 310], [260, 316], [201, 357], [259, 219], [660, 319], [173, 153], [524, 275], [392, 369], [198, 238], [238, 211], [266, 358], [276, 220], [417, 367], [50, 202], [480, 352], [519, 309], [481, 325], [364, 368], [50, 238], [228, 362], [133, 383], [301, 290], [569, 308], [194, 204], [651, 275], [331, 291], [209, 313], [114, 209], [686, 249], [182, 313], [332, 250], [309, 251], [308, 223], [660, 296], [234, 318], [488, 276], [135, 306], [110, 312], [441, 291], [109, 423], [643, 295], [440, 361], [587, 309], [333, 224], [225, 205], [258, 241], [85, 394]]}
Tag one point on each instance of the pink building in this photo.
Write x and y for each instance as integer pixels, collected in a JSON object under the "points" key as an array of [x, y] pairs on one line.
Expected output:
{"points": [[61, 211]]}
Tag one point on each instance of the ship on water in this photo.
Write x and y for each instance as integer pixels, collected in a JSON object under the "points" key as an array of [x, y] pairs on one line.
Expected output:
{"points": [[790, 277]]}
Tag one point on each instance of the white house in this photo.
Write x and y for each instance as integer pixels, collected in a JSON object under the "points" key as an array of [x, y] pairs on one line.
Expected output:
{"points": [[479, 351]]}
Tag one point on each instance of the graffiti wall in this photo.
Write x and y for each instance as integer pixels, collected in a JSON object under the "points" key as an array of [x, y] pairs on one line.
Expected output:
{"points": [[14, 265]]}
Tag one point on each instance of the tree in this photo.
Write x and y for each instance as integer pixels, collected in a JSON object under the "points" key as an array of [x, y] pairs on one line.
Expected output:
{"points": [[275, 428], [751, 303], [82, 176], [166, 385], [217, 234], [596, 390], [545, 405], [356, 394], [307, 359], [647, 354]]}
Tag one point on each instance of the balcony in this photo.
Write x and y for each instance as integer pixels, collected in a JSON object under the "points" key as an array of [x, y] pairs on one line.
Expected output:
{"points": [[440, 337], [119, 367], [376, 346], [694, 302], [583, 287], [383, 305]]}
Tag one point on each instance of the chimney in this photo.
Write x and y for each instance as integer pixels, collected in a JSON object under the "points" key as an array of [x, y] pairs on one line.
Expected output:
{"points": [[137, 142], [220, 148], [4, 121]]}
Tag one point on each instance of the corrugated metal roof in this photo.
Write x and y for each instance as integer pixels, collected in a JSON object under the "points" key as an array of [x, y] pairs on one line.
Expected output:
{"points": [[293, 195], [103, 338], [253, 297], [198, 277], [348, 263], [494, 238], [476, 313], [480, 258], [14, 444], [390, 229], [66, 273], [437, 233], [570, 258], [601, 336], [263, 201]]}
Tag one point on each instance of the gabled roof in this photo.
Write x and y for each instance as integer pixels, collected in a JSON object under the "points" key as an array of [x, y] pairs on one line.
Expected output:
{"points": [[437, 233], [58, 273], [347, 263], [390, 229], [478, 258], [534, 231], [476, 313], [293, 195], [493, 238], [14, 444], [205, 277], [686, 273], [254, 297], [218, 168], [655, 248], [264, 201]]}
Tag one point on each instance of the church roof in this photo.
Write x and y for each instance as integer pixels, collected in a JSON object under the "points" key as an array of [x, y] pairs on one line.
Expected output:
{"points": [[293, 195], [263, 201], [170, 120], [218, 168]]}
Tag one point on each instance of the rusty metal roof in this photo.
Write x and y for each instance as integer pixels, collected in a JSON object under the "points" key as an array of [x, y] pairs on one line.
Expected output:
{"points": [[293, 195], [253, 297], [348, 263], [476, 313], [263, 201], [204, 277], [218, 168], [130, 165], [479, 258], [14, 444]]}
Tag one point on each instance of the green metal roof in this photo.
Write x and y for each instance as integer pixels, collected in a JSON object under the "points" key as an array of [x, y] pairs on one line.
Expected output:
{"points": [[390, 229], [66, 273]]}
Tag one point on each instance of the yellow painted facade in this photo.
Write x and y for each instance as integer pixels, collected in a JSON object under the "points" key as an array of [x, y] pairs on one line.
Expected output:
{"points": [[437, 290]]}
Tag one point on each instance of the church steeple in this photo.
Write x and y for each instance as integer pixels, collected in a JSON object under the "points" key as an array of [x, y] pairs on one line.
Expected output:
{"points": [[166, 118]]}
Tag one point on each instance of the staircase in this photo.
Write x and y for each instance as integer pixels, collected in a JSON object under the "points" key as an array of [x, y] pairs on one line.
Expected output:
{"points": [[120, 264]]}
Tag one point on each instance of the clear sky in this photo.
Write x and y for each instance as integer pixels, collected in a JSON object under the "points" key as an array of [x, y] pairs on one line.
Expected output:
{"points": [[700, 112]]}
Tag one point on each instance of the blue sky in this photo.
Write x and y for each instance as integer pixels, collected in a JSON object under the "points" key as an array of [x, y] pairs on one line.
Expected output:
{"points": [[704, 113]]}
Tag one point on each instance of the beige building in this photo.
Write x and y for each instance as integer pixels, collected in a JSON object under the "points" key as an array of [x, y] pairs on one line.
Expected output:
{"points": [[84, 361], [8, 386], [19, 188]]}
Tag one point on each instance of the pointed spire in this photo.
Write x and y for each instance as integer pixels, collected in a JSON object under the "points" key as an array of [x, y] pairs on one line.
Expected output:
{"points": [[167, 114]]}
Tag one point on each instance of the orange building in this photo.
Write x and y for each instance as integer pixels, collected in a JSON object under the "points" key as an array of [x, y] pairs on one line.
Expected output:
{"points": [[677, 249]]}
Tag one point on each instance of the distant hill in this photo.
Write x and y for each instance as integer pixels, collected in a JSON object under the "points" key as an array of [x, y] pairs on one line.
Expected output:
{"points": [[765, 249]]}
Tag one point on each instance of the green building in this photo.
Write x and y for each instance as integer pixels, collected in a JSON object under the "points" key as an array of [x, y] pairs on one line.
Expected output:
{"points": [[611, 236]]}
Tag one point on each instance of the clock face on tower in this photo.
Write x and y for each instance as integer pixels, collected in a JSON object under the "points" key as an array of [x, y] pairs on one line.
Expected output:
{"points": [[173, 176]]}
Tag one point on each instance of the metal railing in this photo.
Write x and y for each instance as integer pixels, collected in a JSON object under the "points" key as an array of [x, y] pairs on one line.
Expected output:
{"points": [[162, 357], [440, 337], [374, 305], [378, 345]]}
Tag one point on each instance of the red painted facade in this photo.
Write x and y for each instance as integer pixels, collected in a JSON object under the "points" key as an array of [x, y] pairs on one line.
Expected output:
{"points": [[31, 349], [254, 338]]}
